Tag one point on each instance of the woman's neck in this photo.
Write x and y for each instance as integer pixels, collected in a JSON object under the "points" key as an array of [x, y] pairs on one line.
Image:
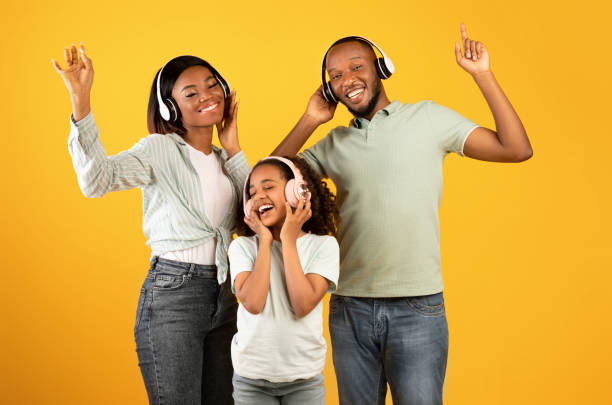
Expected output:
{"points": [[200, 138]]}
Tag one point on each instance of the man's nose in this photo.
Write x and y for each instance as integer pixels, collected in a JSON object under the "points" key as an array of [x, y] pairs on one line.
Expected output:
{"points": [[348, 78]]}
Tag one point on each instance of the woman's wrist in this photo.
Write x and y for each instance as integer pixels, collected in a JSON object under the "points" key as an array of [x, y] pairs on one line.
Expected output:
{"points": [[81, 105], [231, 152]]}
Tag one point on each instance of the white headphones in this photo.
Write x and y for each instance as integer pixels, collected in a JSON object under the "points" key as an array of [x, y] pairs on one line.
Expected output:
{"points": [[168, 109], [384, 67]]}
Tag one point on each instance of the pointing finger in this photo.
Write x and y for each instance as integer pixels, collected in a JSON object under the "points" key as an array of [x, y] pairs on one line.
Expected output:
{"points": [[463, 32]]}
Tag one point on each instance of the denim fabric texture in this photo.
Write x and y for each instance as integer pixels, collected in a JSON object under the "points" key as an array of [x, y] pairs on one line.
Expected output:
{"points": [[308, 391], [184, 325], [399, 341]]}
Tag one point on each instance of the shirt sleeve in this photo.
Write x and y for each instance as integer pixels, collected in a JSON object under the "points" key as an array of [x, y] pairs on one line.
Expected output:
{"points": [[240, 257], [326, 262], [316, 156], [451, 128], [99, 174]]}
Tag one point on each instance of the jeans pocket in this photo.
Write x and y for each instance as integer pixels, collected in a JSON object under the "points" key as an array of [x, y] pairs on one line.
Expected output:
{"points": [[335, 304], [140, 307], [427, 305], [169, 281]]}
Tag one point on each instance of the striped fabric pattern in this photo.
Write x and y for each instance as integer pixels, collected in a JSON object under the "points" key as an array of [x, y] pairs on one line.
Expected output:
{"points": [[173, 206]]}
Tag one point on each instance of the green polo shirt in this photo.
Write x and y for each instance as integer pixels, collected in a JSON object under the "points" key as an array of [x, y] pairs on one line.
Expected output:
{"points": [[388, 175]]}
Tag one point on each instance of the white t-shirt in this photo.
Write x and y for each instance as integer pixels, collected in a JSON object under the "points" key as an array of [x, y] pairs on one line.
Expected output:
{"points": [[217, 194], [275, 345]]}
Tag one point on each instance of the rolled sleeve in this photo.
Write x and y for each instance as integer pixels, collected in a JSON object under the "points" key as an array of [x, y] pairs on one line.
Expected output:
{"points": [[97, 173]]}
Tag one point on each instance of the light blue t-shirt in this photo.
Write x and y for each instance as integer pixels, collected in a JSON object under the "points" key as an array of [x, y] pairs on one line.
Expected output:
{"points": [[275, 345]]}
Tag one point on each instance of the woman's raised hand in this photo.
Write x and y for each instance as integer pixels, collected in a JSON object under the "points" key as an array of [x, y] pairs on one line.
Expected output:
{"points": [[78, 78], [228, 128]]}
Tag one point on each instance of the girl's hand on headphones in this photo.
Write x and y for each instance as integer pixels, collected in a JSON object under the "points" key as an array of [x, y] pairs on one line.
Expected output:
{"points": [[263, 232], [475, 57], [228, 128], [295, 220], [78, 78], [319, 109]]}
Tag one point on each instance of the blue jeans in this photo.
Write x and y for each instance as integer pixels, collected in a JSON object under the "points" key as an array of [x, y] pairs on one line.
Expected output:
{"points": [[308, 391], [399, 341], [184, 325]]}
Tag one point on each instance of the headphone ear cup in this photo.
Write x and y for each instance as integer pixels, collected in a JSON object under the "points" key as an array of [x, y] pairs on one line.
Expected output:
{"points": [[328, 93], [224, 86], [173, 110], [248, 206], [381, 69], [292, 199]]}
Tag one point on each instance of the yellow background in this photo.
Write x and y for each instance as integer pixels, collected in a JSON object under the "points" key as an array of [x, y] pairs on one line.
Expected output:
{"points": [[525, 248]]}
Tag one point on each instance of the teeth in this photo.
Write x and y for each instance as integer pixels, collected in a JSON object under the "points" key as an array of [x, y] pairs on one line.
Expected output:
{"points": [[355, 93], [265, 207], [209, 108]]}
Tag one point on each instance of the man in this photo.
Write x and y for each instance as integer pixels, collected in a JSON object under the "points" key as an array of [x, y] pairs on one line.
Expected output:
{"points": [[387, 318]]}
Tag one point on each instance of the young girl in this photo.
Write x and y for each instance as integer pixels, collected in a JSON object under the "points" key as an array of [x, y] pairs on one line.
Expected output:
{"points": [[280, 275], [186, 313]]}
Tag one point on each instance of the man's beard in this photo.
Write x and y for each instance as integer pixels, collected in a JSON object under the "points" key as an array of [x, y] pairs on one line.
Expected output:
{"points": [[371, 105]]}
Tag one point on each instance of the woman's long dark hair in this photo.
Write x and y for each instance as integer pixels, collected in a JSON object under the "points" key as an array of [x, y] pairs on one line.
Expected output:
{"points": [[172, 70], [325, 216]]}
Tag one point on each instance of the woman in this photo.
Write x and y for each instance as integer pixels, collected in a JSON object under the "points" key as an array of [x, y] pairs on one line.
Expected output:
{"points": [[186, 313]]}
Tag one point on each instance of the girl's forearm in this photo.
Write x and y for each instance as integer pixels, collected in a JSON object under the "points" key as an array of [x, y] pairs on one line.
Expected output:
{"points": [[253, 292], [302, 294]]}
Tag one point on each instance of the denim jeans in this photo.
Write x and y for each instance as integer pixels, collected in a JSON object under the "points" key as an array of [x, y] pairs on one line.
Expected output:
{"points": [[184, 325], [308, 391], [399, 341]]}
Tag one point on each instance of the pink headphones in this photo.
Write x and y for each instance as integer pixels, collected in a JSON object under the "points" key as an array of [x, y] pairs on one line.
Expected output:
{"points": [[294, 190]]}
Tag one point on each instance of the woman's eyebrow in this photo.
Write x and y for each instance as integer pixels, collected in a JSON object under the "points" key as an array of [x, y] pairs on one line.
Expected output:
{"points": [[193, 85]]}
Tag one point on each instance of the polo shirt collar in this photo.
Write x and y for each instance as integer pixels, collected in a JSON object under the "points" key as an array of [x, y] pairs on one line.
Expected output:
{"points": [[360, 122]]}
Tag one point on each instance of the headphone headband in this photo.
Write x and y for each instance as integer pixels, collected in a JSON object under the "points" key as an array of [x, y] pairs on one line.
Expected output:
{"points": [[384, 66]]}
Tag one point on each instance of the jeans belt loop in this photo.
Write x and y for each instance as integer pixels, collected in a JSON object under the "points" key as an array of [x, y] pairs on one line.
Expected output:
{"points": [[191, 270]]}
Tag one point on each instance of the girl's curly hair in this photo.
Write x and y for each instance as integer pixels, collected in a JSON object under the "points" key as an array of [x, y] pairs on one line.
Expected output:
{"points": [[325, 216]]}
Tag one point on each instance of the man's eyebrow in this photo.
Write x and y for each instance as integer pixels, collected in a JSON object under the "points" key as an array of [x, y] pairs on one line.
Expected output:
{"points": [[331, 69]]}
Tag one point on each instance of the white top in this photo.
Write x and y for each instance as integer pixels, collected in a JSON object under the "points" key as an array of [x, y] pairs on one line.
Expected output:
{"points": [[275, 345], [217, 194]]}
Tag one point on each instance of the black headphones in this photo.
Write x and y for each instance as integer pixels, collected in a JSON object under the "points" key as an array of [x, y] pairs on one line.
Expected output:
{"points": [[168, 109], [384, 67]]}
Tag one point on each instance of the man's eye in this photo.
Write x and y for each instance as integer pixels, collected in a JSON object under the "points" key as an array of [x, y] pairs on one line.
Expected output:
{"points": [[336, 77], [357, 67]]}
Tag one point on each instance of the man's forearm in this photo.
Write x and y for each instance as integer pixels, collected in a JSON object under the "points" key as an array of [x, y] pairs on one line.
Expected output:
{"points": [[298, 136], [510, 130]]}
